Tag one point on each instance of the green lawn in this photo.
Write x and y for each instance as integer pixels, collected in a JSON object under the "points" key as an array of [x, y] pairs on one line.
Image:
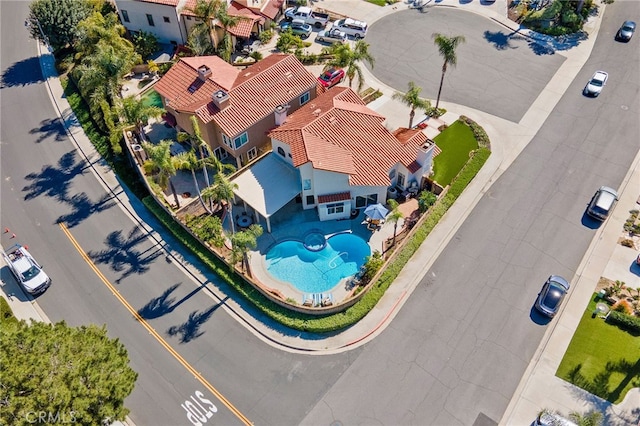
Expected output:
{"points": [[456, 142], [601, 358]]}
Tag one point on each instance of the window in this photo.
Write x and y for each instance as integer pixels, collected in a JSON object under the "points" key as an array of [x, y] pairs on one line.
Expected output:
{"points": [[306, 184], [236, 142], [304, 98], [362, 201], [125, 16], [400, 181], [166, 19], [335, 208], [220, 153], [188, 18], [150, 20], [281, 151], [310, 200], [252, 153]]}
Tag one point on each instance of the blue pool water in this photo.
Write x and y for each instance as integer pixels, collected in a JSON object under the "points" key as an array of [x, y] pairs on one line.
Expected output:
{"points": [[317, 271]]}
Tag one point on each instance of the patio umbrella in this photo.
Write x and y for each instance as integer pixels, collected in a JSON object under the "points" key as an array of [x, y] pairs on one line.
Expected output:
{"points": [[376, 211]]}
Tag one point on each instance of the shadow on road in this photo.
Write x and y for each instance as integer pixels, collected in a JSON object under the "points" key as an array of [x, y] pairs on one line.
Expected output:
{"points": [[590, 222], [22, 73], [50, 127], [189, 330], [83, 207], [54, 181], [122, 255], [164, 304]]}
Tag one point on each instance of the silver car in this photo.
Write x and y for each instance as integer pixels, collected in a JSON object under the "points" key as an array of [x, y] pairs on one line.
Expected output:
{"points": [[333, 35], [596, 83], [602, 203], [626, 31]]}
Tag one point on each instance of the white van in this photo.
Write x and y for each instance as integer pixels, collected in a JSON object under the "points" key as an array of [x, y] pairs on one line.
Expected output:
{"points": [[552, 419], [357, 29]]}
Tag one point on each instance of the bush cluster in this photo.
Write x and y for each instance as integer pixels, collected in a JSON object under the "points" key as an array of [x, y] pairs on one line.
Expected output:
{"points": [[624, 321], [6, 314], [478, 132]]}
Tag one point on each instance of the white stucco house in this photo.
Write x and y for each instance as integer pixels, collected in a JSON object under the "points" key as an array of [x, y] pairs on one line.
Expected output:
{"points": [[337, 155]]}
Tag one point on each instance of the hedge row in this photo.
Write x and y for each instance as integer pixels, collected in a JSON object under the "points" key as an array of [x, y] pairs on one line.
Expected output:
{"points": [[624, 321], [6, 314]]}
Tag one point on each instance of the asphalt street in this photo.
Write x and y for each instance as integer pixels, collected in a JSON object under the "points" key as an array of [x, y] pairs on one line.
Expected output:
{"points": [[458, 348], [498, 71]]}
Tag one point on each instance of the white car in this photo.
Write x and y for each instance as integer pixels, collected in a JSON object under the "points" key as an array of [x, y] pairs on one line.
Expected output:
{"points": [[596, 83], [26, 270], [356, 29]]}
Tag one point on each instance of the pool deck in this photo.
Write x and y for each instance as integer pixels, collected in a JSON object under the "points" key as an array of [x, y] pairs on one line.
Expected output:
{"points": [[292, 223]]}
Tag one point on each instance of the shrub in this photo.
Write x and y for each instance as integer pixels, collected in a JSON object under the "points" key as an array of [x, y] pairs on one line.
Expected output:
{"points": [[426, 200], [266, 36], [627, 242], [624, 321], [6, 314], [622, 306], [478, 132]]}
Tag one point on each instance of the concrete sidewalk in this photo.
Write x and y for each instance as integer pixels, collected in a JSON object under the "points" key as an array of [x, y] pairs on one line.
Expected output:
{"points": [[535, 391]]}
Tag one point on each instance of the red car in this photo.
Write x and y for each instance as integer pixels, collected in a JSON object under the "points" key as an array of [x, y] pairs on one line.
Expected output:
{"points": [[331, 77]]}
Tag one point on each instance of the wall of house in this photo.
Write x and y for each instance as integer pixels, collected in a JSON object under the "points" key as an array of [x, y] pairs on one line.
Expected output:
{"points": [[364, 191], [341, 212], [137, 11], [322, 183]]}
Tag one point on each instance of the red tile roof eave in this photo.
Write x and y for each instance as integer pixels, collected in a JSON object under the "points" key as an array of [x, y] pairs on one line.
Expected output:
{"points": [[332, 198]]}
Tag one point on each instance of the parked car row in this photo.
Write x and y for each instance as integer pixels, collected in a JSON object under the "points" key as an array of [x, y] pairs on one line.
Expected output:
{"points": [[302, 19]]}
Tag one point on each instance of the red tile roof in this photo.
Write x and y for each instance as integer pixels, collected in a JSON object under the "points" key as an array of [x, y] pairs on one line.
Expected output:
{"points": [[275, 80], [183, 89], [242, 28], [272, 8], [332, 198], [173, 3], [338, 132]]}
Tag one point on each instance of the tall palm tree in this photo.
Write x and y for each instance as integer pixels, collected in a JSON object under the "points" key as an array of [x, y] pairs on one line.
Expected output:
{"points": [[242, 242], [189, 161], [394, 216], [222, 191], [205, 11], [226, 21], [447, 48], [413, 100], [348, 58], [100, 28], [162, 165]]}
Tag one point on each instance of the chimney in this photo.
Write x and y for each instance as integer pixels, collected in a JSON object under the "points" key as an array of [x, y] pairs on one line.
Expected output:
{"points": [[220, 99], [281, 114], [204, 72]]}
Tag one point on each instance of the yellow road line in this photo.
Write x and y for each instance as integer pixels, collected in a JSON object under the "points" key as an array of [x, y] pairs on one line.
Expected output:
{"points": [[150, 329]]}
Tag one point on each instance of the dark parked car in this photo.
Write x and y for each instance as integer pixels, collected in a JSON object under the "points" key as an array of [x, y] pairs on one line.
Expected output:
{"points": [[602, 203], [551, 295], [626, 31]]}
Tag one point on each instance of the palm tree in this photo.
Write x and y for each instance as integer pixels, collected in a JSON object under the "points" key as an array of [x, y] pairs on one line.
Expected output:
{"points": [[162, 165], [205, 11], [447, 49], [134, 112], [346, 57], [394, 216], [242, 242], [222, 191], [413, 100], [189, 161], [100, 28], [226, 21], [592, 418]]}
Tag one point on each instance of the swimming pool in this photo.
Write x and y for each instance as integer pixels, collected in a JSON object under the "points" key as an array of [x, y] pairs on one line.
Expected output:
{"points": [[317, 271], [152, 98]]}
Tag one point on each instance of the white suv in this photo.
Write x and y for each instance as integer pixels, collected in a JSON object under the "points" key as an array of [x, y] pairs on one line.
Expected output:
{"points": [[351, 27]]}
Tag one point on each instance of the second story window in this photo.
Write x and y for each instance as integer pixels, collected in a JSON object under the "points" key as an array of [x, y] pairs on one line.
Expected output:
{"points": [[235, 143], [166, 19], [150, 20], [125, 15], [304, 98], [281, 151]]}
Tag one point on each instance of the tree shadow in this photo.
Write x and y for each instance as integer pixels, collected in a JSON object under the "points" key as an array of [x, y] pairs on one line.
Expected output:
{"points": [[542, 44], [83, 208], [50, 127], [122, 255], [189, 330], [54, 181], [163, 304], [502, 41], [22, 73], [601, 383]]}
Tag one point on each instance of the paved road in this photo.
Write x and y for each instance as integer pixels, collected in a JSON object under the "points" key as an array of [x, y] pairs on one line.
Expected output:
{"points": [[498, 72], [458, 348]]}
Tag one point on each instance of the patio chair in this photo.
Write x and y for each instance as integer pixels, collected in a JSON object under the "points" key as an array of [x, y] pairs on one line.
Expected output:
{"points": [[307, 300]]}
